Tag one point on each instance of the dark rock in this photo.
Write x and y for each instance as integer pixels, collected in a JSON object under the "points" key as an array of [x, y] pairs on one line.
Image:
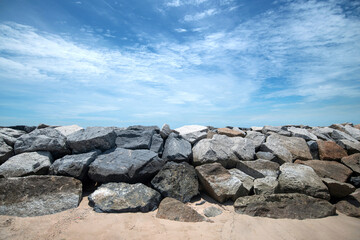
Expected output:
{"points": [[314, 149], [6, 151], [92, 138], [259, 168], [24, 164], [157, 143], [349, 146], [298, 178], [76, 165], [38, 195], [134, 138], [124, 165], [212, 211], [177, 180], [350, 205], [265, 155], [290, 205], [165, 131], [176, 149], [175, 210], [266, 185], [27, 129], [329, 150], [338, 189], [124, 197], [355, 181]]}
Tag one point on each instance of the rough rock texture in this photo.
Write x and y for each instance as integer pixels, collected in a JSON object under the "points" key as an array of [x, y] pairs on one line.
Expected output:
{"points": [[248, 181], [165, 131], [328, 169], [291, 205], [230, 133], [67, 130], [219, 183], [46, 139], [124, 197], [265, 155], [175, 210], [338, 189], [329, 150], [350, 205], [298, 178], [24, 128], [256, 137], [157, 143], [322, 133], [124, 165], [24, 164], [176, 149], [192, 133], [38, 195], [10, 135], [222, 149], [340, 135], [177, 180], [349, 146], [314, 149], [302, 133], [354, 132], [266, 185], [277, 129], [212, 211], [134, 138], [76, 165], [353, 162], [355, 181], [259, 168], [282, 155], [6, 151], [92, 138]]}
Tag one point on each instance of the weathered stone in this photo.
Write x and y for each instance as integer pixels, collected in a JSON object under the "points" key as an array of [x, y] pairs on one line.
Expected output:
{"points": [[165, 131], [322, 133], [259, 168], [314, 149], [282, 155], [298, 178], [329, 150], [124, 197], [134, 138], [175, 210], [67, 130], [291, 205], [354, 132], [339, 135], [192, 133], [124, 165], [230, 133], [76, 165], [176, 149], [247, 180], [278, 129], [266, 185], [355, 180], [46, 139], [38, 195], [265, 155], [10, 135], [6, 151], [24, 164], [350, 205], [177, 180], [256, 129], [219, 183], [92, 138], [302, 133], [353, 162], [338, 189], [349, 146], [212, 211], [24, 128], [256, 137], [157, 143], [328, 169], [222, 149]]}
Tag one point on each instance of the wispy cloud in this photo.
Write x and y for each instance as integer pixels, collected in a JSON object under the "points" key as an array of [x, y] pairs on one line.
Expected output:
{"points": [[200, 15], [178, 3]]}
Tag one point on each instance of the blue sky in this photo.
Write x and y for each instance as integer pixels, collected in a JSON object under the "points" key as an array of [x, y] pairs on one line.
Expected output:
{"points": [[208, 62]]}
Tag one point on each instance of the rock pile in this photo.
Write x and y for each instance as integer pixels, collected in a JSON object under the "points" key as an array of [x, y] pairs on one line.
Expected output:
{"points": [[278, 172]]}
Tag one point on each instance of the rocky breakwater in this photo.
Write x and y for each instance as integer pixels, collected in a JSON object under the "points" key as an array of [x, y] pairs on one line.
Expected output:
{"points": [[279, 172]]}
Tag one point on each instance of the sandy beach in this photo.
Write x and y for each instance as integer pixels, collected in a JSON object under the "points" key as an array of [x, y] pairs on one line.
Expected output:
{"points": [[84, 223]]}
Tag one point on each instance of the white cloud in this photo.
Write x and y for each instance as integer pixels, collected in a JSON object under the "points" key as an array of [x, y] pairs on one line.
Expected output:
{"points": [[180, 30], [178, 3], [200, 15]]}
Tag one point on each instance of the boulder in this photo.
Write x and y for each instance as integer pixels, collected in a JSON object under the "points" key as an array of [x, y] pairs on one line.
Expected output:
{"points": [[177, 180], [6, 151], [24, 164], [302, 133], [165, 131], [24, 128], [157, 143], [176, 149], [282, 155], [354, 132], [192, 133], [230, 133], [175, 210], [248, 181], [278, 129], [10, 135], [67, 130], [340, 135], [46, 139], [328, 169], [76, 165], [298, 178], [329, 150], [314, 149], [352, 162], [350, 205], [355, 180], [134, 138], [38, 195], [349, 146], [92, 138], [125, 165], [219, 183], [338, 189], [266, 185], [212, 211], [124, 197], [322, 133], [259, 168], [256, 129], [222, 149], [290, 205], [256, 137], [265, 155]]}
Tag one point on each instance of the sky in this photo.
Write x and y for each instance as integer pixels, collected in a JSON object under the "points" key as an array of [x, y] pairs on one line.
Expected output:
{"points": [[209, 62]]}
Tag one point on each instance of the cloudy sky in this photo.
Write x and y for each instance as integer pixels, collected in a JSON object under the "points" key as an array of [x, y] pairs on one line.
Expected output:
{"points": [[209, 62]]}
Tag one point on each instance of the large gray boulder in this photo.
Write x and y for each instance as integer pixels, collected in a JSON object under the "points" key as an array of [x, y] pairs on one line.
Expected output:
{"points": [[290, 205], [275, 129], [219, 183], [38, 195], [302, 133], [10, 135], [297, 178], [6, 151], [76, 165], [340, 135], [176, 149], [46, 139], [247, 180], [157, 143], [177, 180], [192, 133], [124, 197], [266, 185], [125, 165], [354, 132], [67, 130], [227, 151], [323, 133], [135, 138], [256, 137], [350, 146], [24, 164], [282, 155], [259, 168], [92, 138]]}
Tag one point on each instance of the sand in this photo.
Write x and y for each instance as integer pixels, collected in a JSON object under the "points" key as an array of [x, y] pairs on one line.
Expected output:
{"points": [[84, 223]]}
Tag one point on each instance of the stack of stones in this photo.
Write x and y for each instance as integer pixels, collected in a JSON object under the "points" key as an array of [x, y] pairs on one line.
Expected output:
{"points": [[279, 172]]}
